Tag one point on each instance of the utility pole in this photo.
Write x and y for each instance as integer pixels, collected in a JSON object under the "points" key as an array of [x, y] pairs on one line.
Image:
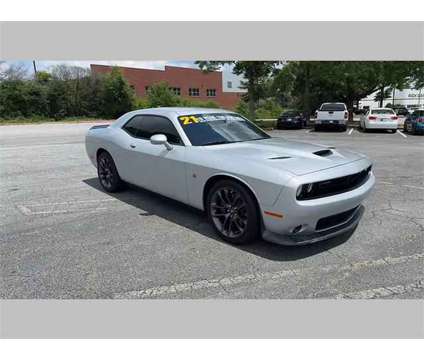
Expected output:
{"points": [[35, 68]]}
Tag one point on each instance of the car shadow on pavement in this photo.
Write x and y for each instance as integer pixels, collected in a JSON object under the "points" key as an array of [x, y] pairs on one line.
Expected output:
{"points": [[195, 220]]}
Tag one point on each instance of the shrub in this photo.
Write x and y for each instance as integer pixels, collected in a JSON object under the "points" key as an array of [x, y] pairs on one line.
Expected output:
{"points": [[118, 97], [160, 95]]}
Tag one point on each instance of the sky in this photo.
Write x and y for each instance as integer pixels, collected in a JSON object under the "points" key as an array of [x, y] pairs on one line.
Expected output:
{"points": [[46, 65]]}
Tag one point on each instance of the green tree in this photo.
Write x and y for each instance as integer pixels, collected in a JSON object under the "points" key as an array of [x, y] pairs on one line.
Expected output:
{"points": [[160, 94], [117, 95], [314, 82], [255, 74]]}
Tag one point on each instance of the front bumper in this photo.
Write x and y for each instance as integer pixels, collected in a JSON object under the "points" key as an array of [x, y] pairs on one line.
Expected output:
{"points": [[289, 124], [308, 214], [304, 239]]}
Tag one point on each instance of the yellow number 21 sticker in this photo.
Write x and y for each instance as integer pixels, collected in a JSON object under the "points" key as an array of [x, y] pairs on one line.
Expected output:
{"points": [[187, 120]]}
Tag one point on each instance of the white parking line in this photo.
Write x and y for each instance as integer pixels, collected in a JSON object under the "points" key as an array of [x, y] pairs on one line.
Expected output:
{"points": [[72, 202], [383, 291], [407, 186], [79, 206], [414, 187], [401, 133], [227, 282], [350, 131]]}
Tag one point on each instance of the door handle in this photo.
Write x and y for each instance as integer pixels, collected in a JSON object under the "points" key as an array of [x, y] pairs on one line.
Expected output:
{"points": [[132, 146]]}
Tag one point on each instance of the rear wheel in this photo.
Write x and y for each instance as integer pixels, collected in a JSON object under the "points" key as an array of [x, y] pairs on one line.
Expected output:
{"points": [[232, 212], [107, 173], [393, 131]]}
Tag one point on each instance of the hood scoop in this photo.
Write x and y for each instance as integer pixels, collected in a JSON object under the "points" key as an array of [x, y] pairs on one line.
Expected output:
{"points": [[323, 153], [279, 158]]}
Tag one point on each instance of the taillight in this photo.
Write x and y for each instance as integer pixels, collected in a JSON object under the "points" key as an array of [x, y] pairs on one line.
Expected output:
{"points": [[394, 117], [420, 120], [372, 117], [345, 115]]}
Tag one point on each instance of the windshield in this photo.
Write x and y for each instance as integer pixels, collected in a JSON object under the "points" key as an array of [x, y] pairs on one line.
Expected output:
{"points": [[290, 113], [418, 113], [219, 128], [332, 107], [382, 111]]}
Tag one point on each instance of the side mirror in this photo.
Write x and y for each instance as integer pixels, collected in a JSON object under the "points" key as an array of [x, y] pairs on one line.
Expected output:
{"points": [[160, 139]]}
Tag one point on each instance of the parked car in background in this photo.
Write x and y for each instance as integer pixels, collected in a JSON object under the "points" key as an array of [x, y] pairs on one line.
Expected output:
{"points": [[332, 115], [379, 118], [291, 119], [414, 123], [249, 183], [402, 112]]}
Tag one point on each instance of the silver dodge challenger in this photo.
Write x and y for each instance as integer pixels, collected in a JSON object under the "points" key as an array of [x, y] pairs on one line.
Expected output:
{"points": [[250, 184]]}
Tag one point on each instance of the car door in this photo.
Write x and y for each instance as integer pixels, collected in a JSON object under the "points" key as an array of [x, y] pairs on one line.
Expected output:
{"points": [[153, 166]]}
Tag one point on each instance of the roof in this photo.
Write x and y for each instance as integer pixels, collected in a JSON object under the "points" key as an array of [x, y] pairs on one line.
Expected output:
{"points": [[169, 112], [180, 110]]}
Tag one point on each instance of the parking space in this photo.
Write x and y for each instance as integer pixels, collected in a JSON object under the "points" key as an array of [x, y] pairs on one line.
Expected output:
{"points": [[63, 237]]}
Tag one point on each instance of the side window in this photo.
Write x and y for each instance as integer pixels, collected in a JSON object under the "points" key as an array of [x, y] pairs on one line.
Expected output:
{"points": [[132, 126], [144, 126]]}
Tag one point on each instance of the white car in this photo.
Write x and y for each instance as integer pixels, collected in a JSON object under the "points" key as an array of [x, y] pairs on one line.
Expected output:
{"points": [[249, 183], [332, 115], [379, 119]]}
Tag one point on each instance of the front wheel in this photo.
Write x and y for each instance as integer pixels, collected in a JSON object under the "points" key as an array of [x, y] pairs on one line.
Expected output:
{"points": [[107, 173], [232, 211]]}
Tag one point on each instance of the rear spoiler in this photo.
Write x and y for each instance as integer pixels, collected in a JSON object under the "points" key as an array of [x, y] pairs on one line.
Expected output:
{"points": [[99, 127]]}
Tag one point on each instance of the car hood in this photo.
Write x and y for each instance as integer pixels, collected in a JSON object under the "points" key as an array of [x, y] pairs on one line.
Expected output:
{"points": [[296, 157]]}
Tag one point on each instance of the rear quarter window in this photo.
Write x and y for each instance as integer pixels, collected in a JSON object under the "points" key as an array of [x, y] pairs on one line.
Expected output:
{"points": [[383, 111], [333, 107]]}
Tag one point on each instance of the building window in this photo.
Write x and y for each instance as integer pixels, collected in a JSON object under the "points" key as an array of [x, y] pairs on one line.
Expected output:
{"points": [[211, 92], [229, 84], [146, 89], [176, 91], [194, 92]]}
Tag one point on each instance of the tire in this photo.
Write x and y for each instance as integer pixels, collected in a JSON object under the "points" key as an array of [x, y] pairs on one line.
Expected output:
{"points": [[343, 128], [316, 128], [393, 131], [108, 175], [232, 211]]}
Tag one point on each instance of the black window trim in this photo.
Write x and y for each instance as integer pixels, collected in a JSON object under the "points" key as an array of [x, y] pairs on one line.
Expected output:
{"points": [[142, 138]]}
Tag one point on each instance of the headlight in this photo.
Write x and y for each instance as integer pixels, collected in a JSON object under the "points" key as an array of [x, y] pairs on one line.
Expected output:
{"points": [[299, 191], [304, 190], [308, 187]]}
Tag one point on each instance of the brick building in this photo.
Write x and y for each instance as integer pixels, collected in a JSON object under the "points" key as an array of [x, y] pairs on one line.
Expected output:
{"points": [[185, 82]]}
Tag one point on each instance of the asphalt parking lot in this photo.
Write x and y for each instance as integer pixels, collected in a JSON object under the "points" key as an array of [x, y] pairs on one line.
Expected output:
{"points": [[61, 236]]}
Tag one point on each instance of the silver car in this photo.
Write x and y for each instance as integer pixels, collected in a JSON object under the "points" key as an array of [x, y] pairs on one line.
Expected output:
{"points": [[249, 183], [379, 119]]}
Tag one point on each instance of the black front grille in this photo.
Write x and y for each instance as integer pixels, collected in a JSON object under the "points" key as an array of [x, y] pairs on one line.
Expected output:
{"points": [[334, 220], [334, 186]]}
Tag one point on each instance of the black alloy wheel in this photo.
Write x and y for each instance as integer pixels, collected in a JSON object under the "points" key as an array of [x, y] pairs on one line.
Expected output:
{"points": [[107, 173], [232, 211]]}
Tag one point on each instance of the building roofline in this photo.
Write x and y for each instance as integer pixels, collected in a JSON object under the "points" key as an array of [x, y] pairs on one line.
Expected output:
{"points": [[163, 70]]}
